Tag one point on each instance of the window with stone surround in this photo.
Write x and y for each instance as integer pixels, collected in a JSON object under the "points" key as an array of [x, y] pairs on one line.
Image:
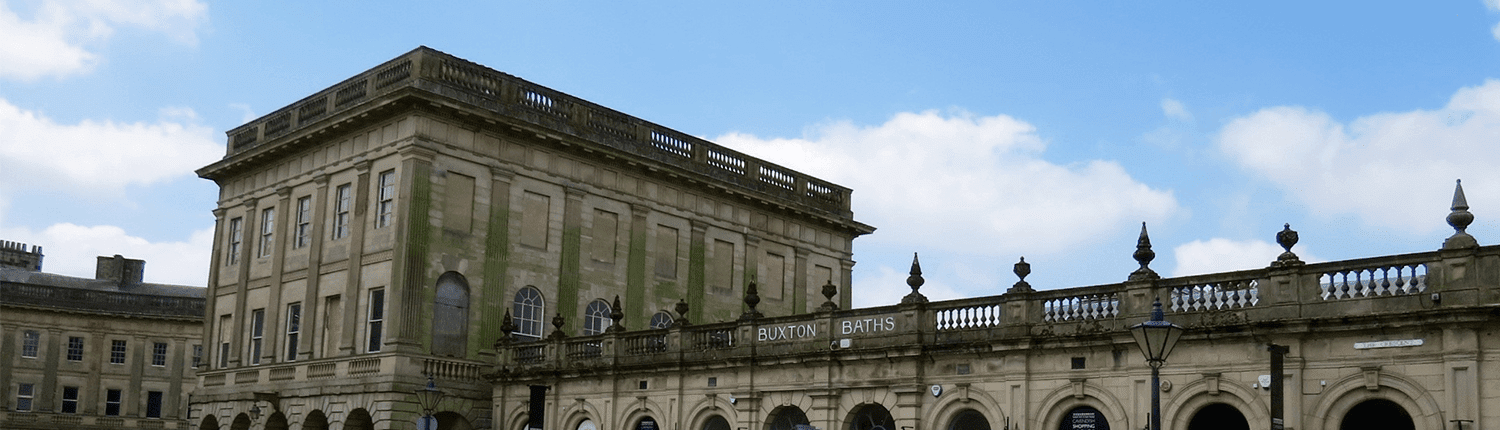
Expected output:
{"points": [[528, 311], [303, 233], [117, 351], [236, 230], [30, 342], [385, 195], [267, 231], [75, 348], [596, 317], [343, 199]]}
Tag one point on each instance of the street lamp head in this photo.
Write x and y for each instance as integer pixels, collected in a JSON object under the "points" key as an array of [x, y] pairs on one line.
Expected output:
{"points": [[254, 412], [1157, 336], [429, 396]]}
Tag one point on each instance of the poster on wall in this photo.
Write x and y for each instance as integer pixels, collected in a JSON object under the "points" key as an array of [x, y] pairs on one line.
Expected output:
{"points": [[1084, 418], [646, 424]]}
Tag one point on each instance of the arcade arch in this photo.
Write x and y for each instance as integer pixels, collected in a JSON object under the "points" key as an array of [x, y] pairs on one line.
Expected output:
{"points": [[786, 418], [1355, 390], [870, 416], [1218, 416], [968, 419]]}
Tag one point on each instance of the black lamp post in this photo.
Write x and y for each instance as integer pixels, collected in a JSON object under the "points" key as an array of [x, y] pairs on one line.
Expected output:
{"points": [[1156, 339], [428, 398]]}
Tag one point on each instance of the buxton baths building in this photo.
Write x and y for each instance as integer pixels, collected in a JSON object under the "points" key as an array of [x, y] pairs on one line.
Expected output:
{"points": [[433, 241], [1395, 342]]}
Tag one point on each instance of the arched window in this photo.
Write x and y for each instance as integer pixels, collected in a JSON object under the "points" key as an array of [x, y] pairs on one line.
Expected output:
{"points": [[528, 312], [969, 419], [661, 320], [786, 418], [871, 416], [716, 422], [596, 317], [450, 316], [1377, 413]]}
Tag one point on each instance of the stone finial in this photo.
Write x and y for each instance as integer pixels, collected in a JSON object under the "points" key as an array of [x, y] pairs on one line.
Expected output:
{"points": [[507, 325], [1460, 219], [682, 311], [1021, 269], [915, 281], [615, 315], [1144, 255], [557, 324], [1287, 238], [829, 290], [752, 298]]}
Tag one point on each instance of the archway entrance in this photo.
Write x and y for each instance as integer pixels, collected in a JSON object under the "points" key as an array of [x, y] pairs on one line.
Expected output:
{"points": [[359, 419], [871, 416], [969, 419], [716, 422], [210, 422], [1377, 414], [315, 421], [451, 421], [1218, 416], [241, 422], [1084, 417], [277, 421], [786, 418]]}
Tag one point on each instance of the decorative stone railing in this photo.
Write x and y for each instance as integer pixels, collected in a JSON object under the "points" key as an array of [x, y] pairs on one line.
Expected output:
{"points": [[1450, 280], [508, 96], [102, 301]]}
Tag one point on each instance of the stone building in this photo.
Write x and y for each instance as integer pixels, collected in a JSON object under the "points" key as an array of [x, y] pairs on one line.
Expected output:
{"points": [[392, 227], [105, 353], [1406, 341]]}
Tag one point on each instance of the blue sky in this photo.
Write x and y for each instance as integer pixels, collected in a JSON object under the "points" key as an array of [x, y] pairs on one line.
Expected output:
{"points": [[973, 133]]}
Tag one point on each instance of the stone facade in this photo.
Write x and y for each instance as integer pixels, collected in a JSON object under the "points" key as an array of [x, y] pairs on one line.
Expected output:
{"points": [[1396, 342], [394, 226], [104, 353]]}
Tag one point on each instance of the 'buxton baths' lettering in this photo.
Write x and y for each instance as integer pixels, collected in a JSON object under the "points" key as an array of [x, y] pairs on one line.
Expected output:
{"points": [[788, 332], [868, 325]]}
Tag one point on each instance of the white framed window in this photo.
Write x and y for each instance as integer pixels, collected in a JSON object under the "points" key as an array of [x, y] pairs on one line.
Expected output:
{"points": [[159, 354], [30, 341], [528, 310], [303, 232], [25, 393], [75, 348], [267, 231], [596, 317], [112, 399], [385, 205], [197, 356], [293, 329], [342, 200], [236, 230], [257, 334], [117, 351], [376, 319], [153, 404], [661, 319], [70, 400]]}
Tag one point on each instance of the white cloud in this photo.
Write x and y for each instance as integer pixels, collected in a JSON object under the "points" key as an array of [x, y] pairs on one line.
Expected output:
{"points": [[1225, 255], [60, 37], [70, 249], [94, 157], [1392, 170], [1175, 110], [967, 184]]}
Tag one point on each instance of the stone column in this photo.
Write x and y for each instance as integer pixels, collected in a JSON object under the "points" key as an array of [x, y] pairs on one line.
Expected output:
{"points": [[635, 272], [697, 268], [405, 295], [241, 281]]}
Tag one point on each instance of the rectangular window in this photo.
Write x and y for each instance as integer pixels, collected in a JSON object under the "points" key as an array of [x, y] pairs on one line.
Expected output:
{"points": [[257, 331], [70, 400], [293, 329], [236, 229], [606, 233], [666, 251], [117, 352], [267, 231], [75, 348], [377, 318], [385, 207], [159, 354], [29, 342], [333, 324], [535, 212], [197, 356], [24, 394], [304, 223], [112, 402], [153, 404], [226, 327], [342, 200]]}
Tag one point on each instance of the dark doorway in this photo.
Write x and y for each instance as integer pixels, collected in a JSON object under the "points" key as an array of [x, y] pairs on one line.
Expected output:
{"points": [[241, 422], [209, 423], [315, 421], [277, 421], [1377, 414], [1084, 418], [359, 419], [452, 421], [872, 416], [716, 423], [1218, 416], [786, 418], [969, 419]]}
